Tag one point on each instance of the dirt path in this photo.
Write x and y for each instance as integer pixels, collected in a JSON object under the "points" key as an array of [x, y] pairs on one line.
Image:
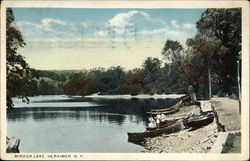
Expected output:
{"points": [[228, 112]]}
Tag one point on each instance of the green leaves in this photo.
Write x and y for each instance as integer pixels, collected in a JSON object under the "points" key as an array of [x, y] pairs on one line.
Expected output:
{"points": [[171, 49], [225, 26], [19, 78]]}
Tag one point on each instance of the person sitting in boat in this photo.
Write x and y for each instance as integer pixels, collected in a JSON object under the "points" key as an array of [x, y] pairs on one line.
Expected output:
{"points": [[152, 122], [161, 117], [157, 122]]}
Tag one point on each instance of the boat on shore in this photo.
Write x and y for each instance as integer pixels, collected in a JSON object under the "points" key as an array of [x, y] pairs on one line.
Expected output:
{"points": [[199, 120], [175, 126], [169, 110], [162, 124]]}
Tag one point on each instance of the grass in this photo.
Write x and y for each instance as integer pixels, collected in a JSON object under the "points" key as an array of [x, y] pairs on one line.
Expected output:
{"points": [[233, 144]]}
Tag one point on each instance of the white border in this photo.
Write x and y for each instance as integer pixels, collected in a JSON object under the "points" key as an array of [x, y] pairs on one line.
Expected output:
{"points": [[137, 4]]}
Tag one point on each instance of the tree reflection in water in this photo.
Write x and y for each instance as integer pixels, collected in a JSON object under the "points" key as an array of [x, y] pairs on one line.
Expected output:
{"points": [[113, 111]]}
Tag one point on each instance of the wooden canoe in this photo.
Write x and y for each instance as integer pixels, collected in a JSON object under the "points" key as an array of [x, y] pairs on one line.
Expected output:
{"points": [[164, 111], [200, 120], [140, 136], [163, 124]]}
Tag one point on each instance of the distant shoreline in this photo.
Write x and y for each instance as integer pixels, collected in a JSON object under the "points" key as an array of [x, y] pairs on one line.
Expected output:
{"points": [[155, 96]]}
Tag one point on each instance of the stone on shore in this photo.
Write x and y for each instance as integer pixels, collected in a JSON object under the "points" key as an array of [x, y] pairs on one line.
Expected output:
{"points": [[12, 145]]}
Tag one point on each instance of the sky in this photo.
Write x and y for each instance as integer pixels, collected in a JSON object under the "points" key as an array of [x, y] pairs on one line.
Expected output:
{"points": [[81, 38]]}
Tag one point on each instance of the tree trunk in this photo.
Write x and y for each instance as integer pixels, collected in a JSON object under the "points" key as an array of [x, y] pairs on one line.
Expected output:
{"points": [[209, 84], [239, 87]]}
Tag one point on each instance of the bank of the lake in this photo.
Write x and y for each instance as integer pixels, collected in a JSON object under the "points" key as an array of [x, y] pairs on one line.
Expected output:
{"points": [[200, 140]]}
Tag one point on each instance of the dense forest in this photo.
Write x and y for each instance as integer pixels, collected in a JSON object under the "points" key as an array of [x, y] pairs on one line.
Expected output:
{"points": [[212, 54], [151, 78]]}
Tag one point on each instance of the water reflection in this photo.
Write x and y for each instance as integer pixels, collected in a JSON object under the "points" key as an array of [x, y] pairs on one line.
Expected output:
{"points": [[110, 110]]}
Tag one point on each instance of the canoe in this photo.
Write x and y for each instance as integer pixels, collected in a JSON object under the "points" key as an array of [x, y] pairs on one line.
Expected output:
{"points": [[164, 111], [200, 120], [175, 117], [140, 136], [163, 124]]}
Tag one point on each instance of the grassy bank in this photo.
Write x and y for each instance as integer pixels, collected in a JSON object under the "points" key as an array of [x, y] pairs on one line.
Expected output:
{"points": [[233, 144]]}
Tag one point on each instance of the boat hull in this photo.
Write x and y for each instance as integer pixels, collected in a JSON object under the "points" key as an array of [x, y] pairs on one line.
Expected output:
{"points": [[197, 123], [140, 136], [163, 124], [169, 111]]}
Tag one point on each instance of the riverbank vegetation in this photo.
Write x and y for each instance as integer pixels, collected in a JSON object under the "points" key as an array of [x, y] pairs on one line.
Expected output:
{"points": [[232, 144], [211, 56]]}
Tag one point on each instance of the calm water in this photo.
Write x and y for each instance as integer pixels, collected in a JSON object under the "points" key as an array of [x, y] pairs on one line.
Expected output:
{"points": [[66, 124]]}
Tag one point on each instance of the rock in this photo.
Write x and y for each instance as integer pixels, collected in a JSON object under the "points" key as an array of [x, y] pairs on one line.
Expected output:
{"points": [[12, 145]]}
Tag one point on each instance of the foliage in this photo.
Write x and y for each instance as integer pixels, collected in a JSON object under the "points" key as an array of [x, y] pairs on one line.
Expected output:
{"points": [[134, 82], [232, 144], [150, 79], [108, 81], [215, 48], [19, 78], [151, 71], [205, 54], [225, 26], [171, 81], [78, 84], [54, 75]]}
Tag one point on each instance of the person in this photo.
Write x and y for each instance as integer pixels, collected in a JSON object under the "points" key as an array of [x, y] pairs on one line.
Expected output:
{"points": [[161, 117], [157, 122], [152, 123]]}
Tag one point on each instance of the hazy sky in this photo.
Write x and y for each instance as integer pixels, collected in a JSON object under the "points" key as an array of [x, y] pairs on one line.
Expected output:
{"points": [[89, 38]]}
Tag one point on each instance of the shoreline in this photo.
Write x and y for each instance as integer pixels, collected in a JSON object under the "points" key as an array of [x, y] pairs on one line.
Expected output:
{"points": [[146, 96], [200, 140]]}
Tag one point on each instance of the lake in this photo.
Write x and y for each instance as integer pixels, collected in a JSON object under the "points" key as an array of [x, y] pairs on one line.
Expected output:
{"points": [[76, 124]]}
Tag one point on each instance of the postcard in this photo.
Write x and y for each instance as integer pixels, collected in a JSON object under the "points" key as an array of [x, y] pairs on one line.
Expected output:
{"points": [[124, 80]]}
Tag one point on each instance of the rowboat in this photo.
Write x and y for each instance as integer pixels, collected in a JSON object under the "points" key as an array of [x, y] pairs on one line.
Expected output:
{"points": [[164, 110], [163, 124], [140, 136], [199, 120]]}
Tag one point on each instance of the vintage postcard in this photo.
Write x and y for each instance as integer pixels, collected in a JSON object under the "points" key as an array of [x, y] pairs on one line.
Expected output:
{"points": [[124, 80]]}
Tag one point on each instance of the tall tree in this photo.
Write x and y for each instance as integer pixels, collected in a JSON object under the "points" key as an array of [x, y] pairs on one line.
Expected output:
{"points": [[151, 70], [19, 78], [134, 82], [175, 55], [79, 84], [225, 25], [205, 54]]}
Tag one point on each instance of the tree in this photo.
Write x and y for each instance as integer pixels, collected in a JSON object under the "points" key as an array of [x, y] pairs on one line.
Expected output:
{"points": [[175, 55], [204, 56], [134, 82], [171, 81], [79, 84], [224, 25], [151, 69], [113, 80], [46, 88], [19, 78]]}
